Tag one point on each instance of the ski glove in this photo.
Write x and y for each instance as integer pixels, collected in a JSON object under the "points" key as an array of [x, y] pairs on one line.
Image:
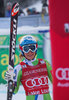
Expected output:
{"points": [[9, 74]]}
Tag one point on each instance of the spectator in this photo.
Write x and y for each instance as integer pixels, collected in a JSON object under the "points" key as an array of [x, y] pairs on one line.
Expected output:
{"points": [[29, 11], [44, 12], [44, 7], [32, 11], [44, 2], [8, 9]]}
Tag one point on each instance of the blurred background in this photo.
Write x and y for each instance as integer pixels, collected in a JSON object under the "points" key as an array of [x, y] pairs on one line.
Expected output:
{"points": [[24, 4]]}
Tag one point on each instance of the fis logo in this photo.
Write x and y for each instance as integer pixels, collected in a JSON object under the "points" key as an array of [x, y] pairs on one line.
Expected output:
{"points": [[66, 27]]}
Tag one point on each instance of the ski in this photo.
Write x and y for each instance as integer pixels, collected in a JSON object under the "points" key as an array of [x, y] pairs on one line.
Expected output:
{"points": [[13, 33]]}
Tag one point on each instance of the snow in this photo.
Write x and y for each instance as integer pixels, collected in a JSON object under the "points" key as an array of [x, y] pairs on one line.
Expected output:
{"points": [[3, 93]]}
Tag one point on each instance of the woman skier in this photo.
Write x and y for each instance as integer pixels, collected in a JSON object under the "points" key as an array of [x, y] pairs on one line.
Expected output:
{"points": [[33, 73]]}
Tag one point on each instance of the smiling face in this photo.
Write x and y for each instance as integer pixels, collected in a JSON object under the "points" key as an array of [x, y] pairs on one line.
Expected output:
{"points": [[30, 55]]}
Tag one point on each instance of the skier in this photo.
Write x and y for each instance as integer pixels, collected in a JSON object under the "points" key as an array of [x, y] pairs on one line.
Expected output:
{"points": [[33, 73]]}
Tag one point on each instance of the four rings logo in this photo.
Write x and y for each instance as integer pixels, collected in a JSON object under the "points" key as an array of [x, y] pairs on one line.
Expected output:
{"points": [[37, 82], [62, 73]]}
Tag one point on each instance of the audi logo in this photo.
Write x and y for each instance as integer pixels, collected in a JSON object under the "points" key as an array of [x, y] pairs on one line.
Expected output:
{"points": [[62, 73], [37, 81]]}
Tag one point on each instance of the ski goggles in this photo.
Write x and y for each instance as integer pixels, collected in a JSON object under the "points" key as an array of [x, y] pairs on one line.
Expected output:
{"points": [[27, 48]]}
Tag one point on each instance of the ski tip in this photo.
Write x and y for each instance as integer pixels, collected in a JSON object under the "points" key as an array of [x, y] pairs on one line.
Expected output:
{"points": [[15, 9]]}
